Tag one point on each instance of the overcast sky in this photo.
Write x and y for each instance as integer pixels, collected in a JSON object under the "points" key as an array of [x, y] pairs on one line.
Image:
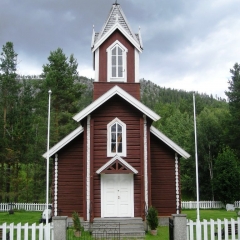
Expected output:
{"points": [[188, 44]]}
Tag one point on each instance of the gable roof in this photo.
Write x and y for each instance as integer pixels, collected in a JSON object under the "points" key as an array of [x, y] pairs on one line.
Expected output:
{"points": [[114, 159], [116, 90], [64, 141], [169, 142], [116, 20]]}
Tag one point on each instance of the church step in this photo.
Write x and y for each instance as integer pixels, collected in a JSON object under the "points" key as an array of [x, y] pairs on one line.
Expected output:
{"points": [[130, 228]]}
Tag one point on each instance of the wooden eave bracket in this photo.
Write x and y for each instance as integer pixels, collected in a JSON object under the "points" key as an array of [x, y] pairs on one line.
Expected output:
{"points": [[116, 165]]}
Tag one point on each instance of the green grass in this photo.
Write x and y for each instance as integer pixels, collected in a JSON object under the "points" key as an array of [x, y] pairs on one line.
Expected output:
{"points": [[162, 234], [20, 217], [210, 214]]}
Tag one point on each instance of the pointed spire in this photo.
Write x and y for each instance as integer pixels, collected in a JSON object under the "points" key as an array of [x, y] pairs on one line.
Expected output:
{"points": [[117, 20]]}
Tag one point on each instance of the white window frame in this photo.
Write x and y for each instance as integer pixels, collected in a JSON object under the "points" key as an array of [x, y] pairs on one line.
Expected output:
{"points": [[109, 62], [124, 140]]}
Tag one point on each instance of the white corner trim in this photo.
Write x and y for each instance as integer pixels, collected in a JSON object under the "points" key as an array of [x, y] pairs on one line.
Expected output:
{"points": [[177, 184], [88, 166], [56, 185], [117, 157], [136, 55], [169, 142], [118, 26], [110, 93], [145, 160], [64, 141], [96, 64]]}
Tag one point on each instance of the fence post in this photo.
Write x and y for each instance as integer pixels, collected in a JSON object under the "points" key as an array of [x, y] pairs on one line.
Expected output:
{"points": [[60, 227], [180, 226]]}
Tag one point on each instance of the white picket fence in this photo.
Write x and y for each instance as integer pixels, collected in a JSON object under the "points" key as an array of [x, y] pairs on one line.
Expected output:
{"points": [[206, 204], [211, 230], [26, 232], [4, 207]]}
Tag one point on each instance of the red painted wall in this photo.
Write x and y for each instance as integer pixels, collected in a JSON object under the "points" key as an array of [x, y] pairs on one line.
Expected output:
{"points": [[117, 35], [162, 177], [70, 178], [100, 88]]}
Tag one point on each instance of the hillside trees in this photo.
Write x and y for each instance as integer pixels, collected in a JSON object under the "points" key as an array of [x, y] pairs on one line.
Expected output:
{"points": [[176, 111], [9, 90], [23, 120], [227, 180], [234, 106], [16, 131], [211, 125]]}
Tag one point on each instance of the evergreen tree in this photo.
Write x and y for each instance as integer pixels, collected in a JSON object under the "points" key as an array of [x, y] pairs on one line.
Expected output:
{"points": [[234, 107], [60, 75], [226, 180], [9, 90]]}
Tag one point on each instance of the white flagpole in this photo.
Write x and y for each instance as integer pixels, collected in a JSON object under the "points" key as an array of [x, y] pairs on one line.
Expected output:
{"points": [[196, 157], [47, 170]]}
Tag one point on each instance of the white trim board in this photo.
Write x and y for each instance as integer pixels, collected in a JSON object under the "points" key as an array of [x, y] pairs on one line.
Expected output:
{"points": [[123, 94], [169, 142], [64, 141]]}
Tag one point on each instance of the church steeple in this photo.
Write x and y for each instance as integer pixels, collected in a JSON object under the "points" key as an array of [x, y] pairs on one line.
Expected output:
{"points": [[116, 20], [116, 49]]}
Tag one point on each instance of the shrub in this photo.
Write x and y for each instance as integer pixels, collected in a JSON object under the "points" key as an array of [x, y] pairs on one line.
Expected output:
{"points": [[152, 218]]}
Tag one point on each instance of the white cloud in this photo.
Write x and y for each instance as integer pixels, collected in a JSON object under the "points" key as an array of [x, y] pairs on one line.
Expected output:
{"points": [[86, 71]]}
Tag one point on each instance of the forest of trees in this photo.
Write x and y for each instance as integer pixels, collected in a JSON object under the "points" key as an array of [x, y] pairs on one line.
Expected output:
{"points": [[23, 127]]}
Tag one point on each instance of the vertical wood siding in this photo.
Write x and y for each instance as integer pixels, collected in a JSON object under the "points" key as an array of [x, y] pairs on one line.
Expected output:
{"points": [[116, 107], [70, 178], [116, 35], [100, 88], [162, 177]]}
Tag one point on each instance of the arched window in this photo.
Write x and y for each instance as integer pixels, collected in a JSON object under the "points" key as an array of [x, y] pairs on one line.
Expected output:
{"points": [[116, 138], [117, 62]]}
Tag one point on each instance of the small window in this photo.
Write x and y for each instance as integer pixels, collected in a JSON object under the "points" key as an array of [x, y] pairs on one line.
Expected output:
{"points": [[116, 138], [117, 62]]}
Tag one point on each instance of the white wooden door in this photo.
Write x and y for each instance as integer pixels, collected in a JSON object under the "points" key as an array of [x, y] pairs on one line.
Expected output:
{"points": [[117, 195]]}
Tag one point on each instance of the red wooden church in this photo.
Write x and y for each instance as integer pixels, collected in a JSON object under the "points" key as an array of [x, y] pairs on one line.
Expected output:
{"points": [[116, 164]]}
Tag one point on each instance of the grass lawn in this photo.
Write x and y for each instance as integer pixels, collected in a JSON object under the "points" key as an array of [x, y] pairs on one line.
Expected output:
{"points": [[20, 217], [162, 234], [210, 214]]}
